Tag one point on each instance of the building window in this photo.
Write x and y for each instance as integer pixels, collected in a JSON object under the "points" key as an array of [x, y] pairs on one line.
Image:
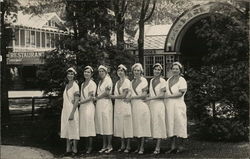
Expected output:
{"points": [[16, 37], [32, 38], [48, 40], [56, 39], [52, 40], [149, 61], [43, 39], [22, 37], [38, 41], [53, 24], [169, 60], [27, 38]]}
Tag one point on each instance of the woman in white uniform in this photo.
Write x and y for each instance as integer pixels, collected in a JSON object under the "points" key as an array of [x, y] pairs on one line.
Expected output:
{"points": [[157, 88], [104, 110], [70, 114], [123, 125], [140, 110], [176, 118], [87, 108]]}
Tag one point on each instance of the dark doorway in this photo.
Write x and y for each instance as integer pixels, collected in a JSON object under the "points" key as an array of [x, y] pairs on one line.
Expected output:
{"points": [[193, 47], [23, 77]]}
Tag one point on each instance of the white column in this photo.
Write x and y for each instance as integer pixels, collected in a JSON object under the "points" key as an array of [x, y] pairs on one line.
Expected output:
{"points": [[45, 35], [13, 41], [40, 39], [19, 38], [24, 37], [35, 38], [50, 35]]}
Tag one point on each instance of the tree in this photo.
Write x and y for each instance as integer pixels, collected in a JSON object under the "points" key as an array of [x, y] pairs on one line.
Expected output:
{"points": [[120, 8], [221, 82], [143, 18], [8, 8], [167, 11], [90, 44]]}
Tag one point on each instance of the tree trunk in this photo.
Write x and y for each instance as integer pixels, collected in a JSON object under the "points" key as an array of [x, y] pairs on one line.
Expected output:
{"points": [[4, 75], [141, 42], [214, 111], [120, 32]]}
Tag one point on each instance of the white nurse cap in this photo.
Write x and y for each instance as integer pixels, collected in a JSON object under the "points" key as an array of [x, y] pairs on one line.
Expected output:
{"points": [[72, 69], [178, 63], [123, 67], [103, 67], [89, 67], [137, 65], [158, 64]]}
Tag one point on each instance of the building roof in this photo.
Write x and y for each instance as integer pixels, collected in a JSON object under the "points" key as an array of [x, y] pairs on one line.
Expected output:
{"points": [[155, 36], [35, 21]]}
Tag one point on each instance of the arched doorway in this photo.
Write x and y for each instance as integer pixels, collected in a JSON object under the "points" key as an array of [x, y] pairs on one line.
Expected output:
{"points": [[221, 57], [192, 47], [190, 17], [183, 37]]}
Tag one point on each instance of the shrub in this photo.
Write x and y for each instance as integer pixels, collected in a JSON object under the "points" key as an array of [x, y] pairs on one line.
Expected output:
{"points": [[222, 130]]}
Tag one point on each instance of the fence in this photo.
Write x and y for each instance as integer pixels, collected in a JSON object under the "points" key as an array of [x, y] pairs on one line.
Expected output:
{"points": [[15, 104]]}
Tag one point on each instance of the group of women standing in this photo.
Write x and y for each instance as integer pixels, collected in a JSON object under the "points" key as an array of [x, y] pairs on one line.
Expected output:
{"points": [[160, 114]]}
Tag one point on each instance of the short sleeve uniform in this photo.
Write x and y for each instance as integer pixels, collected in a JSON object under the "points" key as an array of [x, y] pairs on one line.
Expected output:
{"points": [[70, 128], [176, 117], [87, 111]]}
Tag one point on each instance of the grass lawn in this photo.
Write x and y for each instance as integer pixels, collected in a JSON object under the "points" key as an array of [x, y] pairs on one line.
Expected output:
{"points": [[43, 133]]}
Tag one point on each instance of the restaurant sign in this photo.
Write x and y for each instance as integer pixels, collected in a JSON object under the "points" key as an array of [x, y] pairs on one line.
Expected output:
{"points": [[26, 58]]}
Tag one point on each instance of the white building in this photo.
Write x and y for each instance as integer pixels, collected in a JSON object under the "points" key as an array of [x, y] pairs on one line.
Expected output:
{"points": [[33, 36]]}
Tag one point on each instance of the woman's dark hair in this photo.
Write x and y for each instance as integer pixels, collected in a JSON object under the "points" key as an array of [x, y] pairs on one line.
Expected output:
{"points": [[66, 80], [125, 71], [158, 66], [89, 69]]}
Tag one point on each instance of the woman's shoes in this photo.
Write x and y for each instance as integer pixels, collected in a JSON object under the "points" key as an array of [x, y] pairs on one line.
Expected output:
{"points": [[108, 150], [89, 151], [157, 151], [102, 150], [127, 150], [141, 152], [180, 150], [73, 154], [136, 151], [121, 149], [172, 151]]}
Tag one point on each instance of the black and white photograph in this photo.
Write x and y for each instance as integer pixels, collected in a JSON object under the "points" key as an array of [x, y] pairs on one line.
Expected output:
{"points": [[134, 79]]}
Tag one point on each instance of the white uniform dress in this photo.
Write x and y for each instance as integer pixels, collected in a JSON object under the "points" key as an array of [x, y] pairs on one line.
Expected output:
{"points": [[87, 111], [123, 124], [157, 110], [176, 117], [104, 109], [70, 128], [140, 111]]}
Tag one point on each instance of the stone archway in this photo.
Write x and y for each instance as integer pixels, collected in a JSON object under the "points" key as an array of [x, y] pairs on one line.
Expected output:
{"points": [[186, 20]]}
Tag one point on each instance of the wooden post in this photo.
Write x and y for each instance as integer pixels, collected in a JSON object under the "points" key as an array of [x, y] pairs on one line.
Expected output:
{"points": [[33, 108]]}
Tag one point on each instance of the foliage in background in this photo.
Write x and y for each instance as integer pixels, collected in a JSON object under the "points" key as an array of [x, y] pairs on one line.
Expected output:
{"points": [[221, 83], [222, 130], [8, 14]]}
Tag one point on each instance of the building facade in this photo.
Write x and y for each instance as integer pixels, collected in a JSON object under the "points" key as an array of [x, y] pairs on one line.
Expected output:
{"points": [[33, 36], [154, 49]]}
